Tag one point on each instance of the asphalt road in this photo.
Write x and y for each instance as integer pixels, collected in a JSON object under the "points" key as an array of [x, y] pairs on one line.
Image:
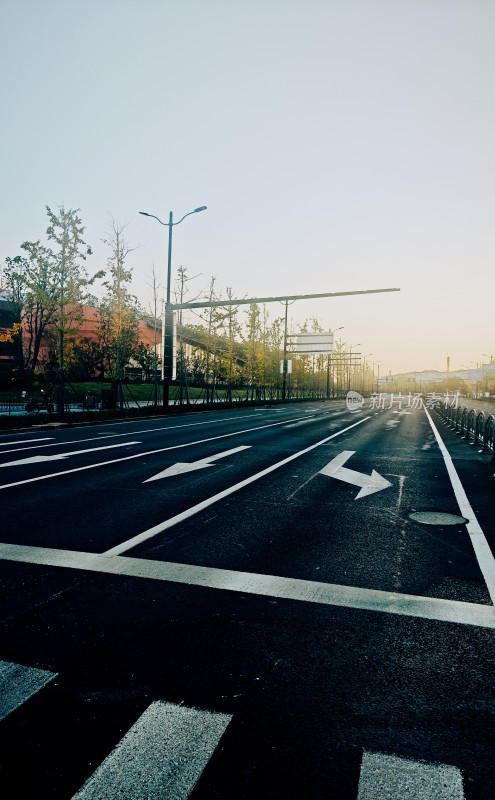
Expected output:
{"points": [[245, 604]]}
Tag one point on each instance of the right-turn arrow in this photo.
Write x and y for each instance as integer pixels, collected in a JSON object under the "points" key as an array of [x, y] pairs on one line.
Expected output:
{"points": [[369, 483]]}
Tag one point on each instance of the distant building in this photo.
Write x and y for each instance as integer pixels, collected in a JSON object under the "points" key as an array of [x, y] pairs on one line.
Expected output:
{"points": [[430, 376], [86, 328]]}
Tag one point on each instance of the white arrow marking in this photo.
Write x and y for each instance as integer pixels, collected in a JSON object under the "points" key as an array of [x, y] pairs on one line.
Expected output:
{"points": [[369, 483], [186, 466], [60, 456]]}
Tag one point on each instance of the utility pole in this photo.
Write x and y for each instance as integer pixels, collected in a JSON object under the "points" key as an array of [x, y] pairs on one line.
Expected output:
{"points": [[284, 362], [168, 325], [61, 387]]}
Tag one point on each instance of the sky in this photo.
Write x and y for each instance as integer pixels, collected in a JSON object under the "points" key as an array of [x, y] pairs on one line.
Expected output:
{"points": [[338, 145]]}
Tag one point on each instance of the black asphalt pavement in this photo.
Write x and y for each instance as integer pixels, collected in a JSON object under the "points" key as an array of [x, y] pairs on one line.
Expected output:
{"points": [[332, 645]]}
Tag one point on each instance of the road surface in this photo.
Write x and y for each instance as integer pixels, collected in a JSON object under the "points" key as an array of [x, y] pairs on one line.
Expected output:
{"points": [[280, 602]]}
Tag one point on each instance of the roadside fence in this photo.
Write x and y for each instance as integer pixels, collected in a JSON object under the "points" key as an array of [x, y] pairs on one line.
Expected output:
{"points": [[11, 403], [475, 427]]}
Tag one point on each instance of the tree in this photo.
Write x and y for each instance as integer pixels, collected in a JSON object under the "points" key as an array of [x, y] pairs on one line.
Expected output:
{"points": [[232, 330], [7, 334], [145, 357], [215, 319], [35, 294], [275, 345], [182, 366], [253, 369], [119, 312], [154, 321], [84, 360], [10, 339], [48, 286], [66, 231]]}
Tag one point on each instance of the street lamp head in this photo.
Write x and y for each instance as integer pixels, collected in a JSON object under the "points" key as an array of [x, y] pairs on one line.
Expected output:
{"points": [[201, 208], [145, 214]]}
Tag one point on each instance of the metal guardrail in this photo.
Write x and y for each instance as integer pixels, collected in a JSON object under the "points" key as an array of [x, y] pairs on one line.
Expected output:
{"points": [[11, 403], [14, 404], [474, 426]]}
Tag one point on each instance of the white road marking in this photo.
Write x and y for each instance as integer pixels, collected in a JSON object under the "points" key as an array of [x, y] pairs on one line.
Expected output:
{"points": [[191, 466], [140, 455], [61, 456], [330, 594], [369, 483], [169, 523], [101, 436], [164, 428], [27, 441], [18, 684], [302, 422], [481, 547], [162, 755], [385, 777]]}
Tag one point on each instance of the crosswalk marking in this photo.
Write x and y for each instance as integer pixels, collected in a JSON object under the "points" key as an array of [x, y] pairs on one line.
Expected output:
{"points": [[162, 755], [167, 749], [18, 684], [385, 777]]}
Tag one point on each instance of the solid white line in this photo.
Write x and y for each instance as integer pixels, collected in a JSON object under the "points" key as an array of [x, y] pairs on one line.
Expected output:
{"points": [[140, 455], [190, 512], [119, 435], [26, 441], [385, 777], [18, 684], [481, 547], [431, 608], [162, 755]]}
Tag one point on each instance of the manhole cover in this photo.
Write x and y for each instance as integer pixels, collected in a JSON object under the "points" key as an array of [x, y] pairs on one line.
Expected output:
{"points": [[437, 518]]}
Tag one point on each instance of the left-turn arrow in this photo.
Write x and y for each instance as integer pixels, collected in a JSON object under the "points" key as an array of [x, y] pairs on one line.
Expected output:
{"points": [[190, 466], [61, 456]]}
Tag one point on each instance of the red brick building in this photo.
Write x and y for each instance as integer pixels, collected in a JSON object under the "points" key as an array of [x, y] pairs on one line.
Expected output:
{"points": [[88, 328]]}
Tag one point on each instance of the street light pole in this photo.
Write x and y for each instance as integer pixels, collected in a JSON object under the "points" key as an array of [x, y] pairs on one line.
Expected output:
{"points": [[284, 361], [168, 341], [378, 378], [328, 362], [168, 330], [61, 387], [350, 364]]}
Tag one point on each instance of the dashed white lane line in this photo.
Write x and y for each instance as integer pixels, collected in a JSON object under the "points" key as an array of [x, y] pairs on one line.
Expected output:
{"points": [[162, 755], [303, 422], [454, 611], [385, 777], [190, 512], [19, 683], [481, 547]]}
